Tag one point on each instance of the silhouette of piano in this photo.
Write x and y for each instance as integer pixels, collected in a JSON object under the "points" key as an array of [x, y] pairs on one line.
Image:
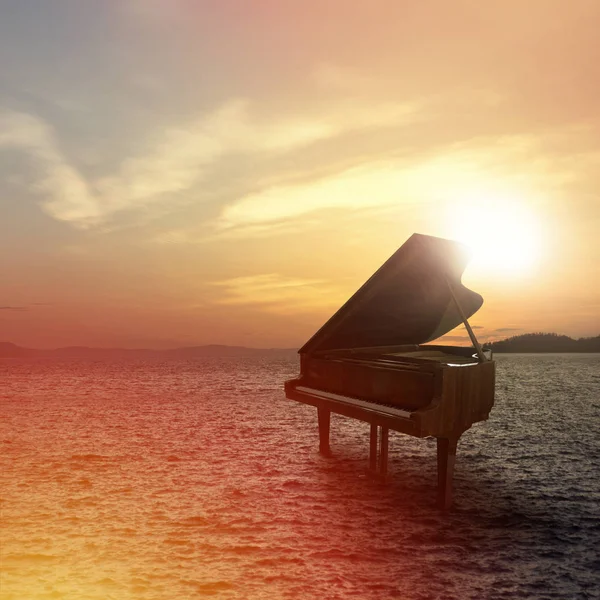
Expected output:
{"points": [[369, 361]]}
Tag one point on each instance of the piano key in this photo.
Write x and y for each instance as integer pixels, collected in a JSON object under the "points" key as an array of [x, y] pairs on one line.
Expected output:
{"points": [[383, 408]]}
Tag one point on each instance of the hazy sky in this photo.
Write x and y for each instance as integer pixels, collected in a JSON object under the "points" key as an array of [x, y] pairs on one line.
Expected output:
{"points": [[178, 172]]}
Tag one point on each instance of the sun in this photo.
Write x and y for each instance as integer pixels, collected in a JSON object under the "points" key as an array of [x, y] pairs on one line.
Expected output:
{"points": [[502, 233]]}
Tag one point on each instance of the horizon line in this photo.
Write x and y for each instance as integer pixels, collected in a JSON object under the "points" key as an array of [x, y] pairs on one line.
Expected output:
{"points": [[216, 345]]}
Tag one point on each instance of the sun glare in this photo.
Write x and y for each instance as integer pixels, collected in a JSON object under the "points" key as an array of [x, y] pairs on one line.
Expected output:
{"points": [[502, 234]]}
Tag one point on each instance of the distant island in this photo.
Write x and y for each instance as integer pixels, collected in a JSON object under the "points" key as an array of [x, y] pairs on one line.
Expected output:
{"points": [[545, 342]]}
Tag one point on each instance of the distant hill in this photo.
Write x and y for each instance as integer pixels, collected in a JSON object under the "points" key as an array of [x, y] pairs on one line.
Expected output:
{"points": [[10, 350], [545, 342]]}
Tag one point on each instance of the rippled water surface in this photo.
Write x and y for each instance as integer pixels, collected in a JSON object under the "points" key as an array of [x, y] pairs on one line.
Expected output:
{"points": [[191, 479]]}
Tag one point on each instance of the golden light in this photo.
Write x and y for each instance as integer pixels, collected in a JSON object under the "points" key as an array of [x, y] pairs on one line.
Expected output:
{"points": [[503, 233]]}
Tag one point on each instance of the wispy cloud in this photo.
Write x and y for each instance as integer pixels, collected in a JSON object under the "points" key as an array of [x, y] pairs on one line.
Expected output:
{"points": [[355, 188], [181, 157], [455, 338], [374, 185], [276, 293], [178, 157], [15, 308], [486, 169], [207, 233], [66, 194]]}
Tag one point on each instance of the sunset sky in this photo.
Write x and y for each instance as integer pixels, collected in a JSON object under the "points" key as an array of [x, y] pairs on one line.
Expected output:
{"points": [[189, 172]]}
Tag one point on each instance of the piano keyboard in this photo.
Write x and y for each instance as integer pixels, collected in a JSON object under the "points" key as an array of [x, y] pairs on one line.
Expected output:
{"points": [[382, 408]]}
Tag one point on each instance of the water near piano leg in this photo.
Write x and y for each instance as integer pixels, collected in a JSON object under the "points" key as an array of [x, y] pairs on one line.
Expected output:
{"points": [[178, 480]]}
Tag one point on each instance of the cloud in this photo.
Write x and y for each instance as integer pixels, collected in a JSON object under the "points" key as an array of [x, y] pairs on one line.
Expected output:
{"points": [[181, 164], [23, 308], [371, 186], [381, 184], [203, 234], [296, 194], [276, 293], [178, 157], [181, 156], [67, 195], [507, 329], [455, 338]]}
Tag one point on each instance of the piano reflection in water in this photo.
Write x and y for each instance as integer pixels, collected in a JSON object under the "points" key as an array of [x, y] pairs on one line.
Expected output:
{"points": [[370, 361]]}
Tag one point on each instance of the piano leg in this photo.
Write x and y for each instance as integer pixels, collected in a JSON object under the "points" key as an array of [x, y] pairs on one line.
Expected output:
{"points": [[446, 457], [383, 465], [324, 426], [373, 449], [378, 453]]}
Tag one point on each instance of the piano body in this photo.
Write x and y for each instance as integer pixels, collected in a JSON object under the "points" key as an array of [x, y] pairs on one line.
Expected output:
{"points": [[371, 361]]}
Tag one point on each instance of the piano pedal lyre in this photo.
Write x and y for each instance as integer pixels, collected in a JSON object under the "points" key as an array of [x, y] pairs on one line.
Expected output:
{"points": [[378, 453]]}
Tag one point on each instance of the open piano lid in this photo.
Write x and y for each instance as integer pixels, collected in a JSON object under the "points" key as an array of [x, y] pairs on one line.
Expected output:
{"points": [[406, 301]]}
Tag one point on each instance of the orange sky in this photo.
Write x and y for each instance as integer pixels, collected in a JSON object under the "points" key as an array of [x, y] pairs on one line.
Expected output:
{"points": [[183, 172]]}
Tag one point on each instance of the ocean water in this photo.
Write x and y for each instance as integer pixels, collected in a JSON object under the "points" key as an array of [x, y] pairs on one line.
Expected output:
{"points": [[175, 480]]}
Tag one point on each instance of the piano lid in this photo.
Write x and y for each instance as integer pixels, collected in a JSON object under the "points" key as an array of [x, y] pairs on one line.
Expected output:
{"points": [[406, 301]]}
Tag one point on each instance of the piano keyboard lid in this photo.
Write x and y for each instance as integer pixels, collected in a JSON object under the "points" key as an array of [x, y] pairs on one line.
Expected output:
{"points": [[406, 301]]}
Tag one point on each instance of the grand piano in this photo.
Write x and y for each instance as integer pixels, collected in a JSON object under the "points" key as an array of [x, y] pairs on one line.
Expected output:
{"points": [[372, 360]]}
